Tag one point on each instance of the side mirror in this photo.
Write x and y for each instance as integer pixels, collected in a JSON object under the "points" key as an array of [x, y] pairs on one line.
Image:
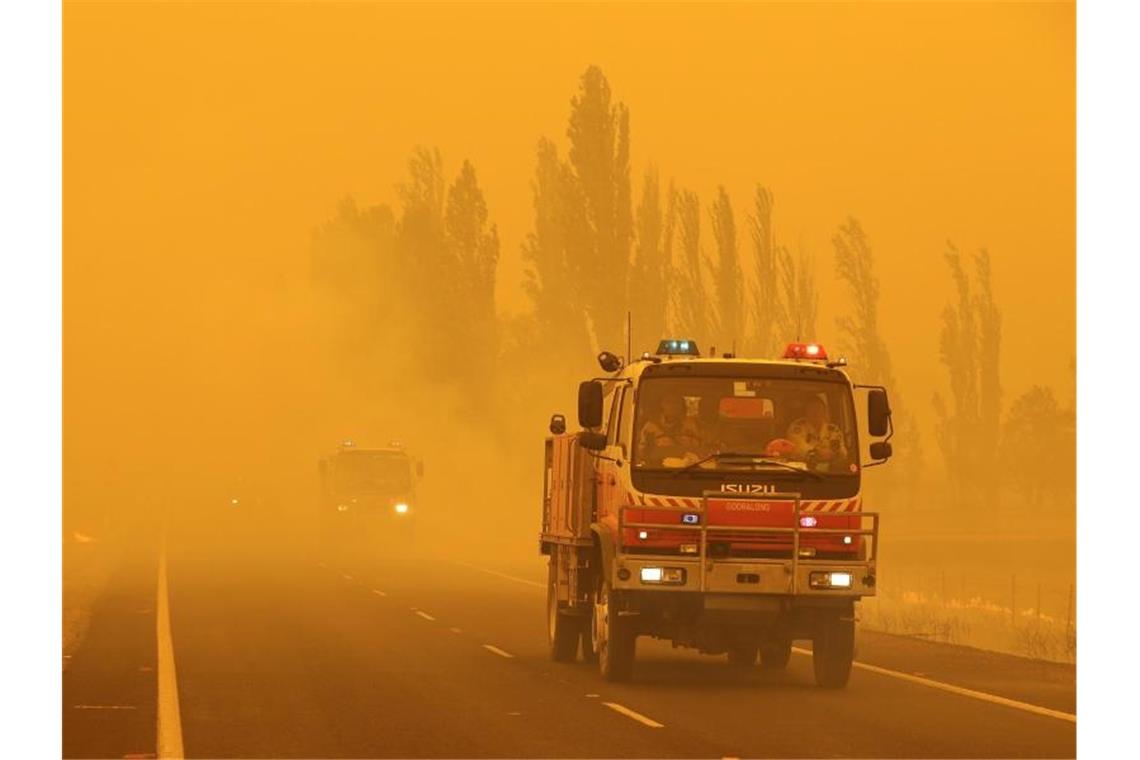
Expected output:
{"points": [[878, 413], [592, 441], [881, 450], [557, 424], [610, 362], [590, 404], [420, 468]]}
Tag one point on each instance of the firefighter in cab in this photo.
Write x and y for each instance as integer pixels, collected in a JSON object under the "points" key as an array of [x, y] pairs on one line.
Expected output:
{"points": [[814, 438]]}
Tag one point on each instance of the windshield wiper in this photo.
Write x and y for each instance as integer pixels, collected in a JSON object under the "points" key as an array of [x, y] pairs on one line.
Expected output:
{"points": [[752, 459]]}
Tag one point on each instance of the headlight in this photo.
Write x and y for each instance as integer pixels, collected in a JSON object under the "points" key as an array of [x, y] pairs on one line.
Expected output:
{"points": [[341, 507], [674, 575], [401, 508], [830, 580]]}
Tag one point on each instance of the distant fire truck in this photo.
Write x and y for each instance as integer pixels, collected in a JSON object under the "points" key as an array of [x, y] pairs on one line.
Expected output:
{"points": [[714, 502], [368, 488]]}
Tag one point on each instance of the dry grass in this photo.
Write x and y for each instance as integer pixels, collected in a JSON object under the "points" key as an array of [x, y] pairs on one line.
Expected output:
{"points": [[972, 622]]}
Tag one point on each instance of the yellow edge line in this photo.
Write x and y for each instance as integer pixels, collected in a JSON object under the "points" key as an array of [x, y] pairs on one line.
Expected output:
{"points": [[169, 716]]}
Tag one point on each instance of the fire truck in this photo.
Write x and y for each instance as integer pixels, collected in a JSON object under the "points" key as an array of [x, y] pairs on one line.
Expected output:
{"points": [[368, 490], [714, 502]]}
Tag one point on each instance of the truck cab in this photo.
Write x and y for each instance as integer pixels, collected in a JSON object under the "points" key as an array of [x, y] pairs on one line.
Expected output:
{"points": [[368, 488], [714, 502]]}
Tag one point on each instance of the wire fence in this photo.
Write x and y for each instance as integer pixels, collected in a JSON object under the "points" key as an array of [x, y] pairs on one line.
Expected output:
{"points": [[1022, 616]]}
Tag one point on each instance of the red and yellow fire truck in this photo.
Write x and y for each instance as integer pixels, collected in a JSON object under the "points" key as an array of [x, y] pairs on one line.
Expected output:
{"points": [[714, 502]]}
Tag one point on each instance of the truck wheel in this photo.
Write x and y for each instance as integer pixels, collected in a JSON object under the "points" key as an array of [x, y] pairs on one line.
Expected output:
{"points": [[743, 655], [562, 630], [588, 653], [775, 653], [833, 649], [615, 638]]}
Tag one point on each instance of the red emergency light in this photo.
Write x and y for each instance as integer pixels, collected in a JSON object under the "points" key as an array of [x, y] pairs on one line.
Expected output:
{"points": [[809, 351]]}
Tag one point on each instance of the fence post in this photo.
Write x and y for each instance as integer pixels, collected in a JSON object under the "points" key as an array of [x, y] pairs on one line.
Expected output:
{"points": [[1069, 620], [1013, 600]]}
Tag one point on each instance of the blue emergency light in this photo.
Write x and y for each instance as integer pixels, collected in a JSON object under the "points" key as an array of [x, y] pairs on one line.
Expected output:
{"points": [[674, 347]]}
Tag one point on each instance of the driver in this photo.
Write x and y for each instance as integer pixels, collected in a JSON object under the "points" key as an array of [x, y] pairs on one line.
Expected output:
{"points": [[670, 428], [814, 438]]}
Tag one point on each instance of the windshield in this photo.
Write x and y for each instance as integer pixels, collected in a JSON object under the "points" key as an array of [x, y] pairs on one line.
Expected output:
{"points": [[373, 471], [806, 424]]}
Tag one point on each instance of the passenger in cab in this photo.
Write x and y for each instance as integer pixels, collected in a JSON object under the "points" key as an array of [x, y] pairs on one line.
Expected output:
{"points": [[815, 439]]}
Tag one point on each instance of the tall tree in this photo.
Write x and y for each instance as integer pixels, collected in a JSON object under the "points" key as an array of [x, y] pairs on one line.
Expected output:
{"points": [[969, 348], [599, 155], [862, 340], [422, 253], [989, 360], [800, 301], [689, 296], [554, 252], [855, 265], [353, 265], [729, 287], [475, 246], [1038, 450], [647, 294], [766, 311], [474, 251]]}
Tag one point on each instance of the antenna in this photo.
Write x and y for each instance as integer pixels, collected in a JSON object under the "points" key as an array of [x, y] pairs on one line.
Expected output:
{"points": [[628, 336]]}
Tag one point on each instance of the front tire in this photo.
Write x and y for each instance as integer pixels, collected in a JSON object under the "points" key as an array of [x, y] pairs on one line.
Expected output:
{"points": [[775, 654], [614, 636], [833, 650], [562, 630]]}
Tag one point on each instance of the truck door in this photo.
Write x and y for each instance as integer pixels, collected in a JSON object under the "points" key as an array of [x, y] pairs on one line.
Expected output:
{"points": [[609, 488]]}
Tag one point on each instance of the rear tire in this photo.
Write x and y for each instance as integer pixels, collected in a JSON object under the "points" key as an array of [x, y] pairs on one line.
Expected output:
{"points": [[775, 654], [614, 636], [562, 630], [833, 650]]}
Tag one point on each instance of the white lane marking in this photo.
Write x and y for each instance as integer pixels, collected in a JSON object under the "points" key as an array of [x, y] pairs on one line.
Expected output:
{"points": [[424, 615], [346, 576], [514, 578], [591, 696], [104, 707], [496, 650], [456, 630], [169, 715], [632, 714], [378, 592], [961, 690]]}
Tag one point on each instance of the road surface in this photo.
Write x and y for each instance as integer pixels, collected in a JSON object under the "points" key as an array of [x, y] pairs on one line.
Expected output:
{"points": [[286, 652]]}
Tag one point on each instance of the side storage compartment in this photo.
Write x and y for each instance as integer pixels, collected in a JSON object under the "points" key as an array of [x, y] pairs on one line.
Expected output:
{"points": [[568, 502], [567, 511]]}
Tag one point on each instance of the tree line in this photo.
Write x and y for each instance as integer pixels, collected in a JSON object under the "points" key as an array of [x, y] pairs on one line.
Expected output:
{"points": [[413, 293]]}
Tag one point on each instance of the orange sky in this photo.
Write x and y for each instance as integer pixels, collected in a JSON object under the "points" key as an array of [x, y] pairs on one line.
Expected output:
{"points": [[203, 142]]}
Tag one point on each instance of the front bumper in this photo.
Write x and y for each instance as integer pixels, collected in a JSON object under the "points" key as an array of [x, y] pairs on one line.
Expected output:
{"points": [[729, 576], [746, 575]]}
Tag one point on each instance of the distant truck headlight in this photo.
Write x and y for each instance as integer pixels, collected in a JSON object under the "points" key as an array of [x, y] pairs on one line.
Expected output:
{"points": [[341, 507], [830, 580], [401, 508]]}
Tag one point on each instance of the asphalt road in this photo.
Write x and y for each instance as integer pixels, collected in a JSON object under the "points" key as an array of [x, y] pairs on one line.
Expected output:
{"points": [[412, 653]]}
